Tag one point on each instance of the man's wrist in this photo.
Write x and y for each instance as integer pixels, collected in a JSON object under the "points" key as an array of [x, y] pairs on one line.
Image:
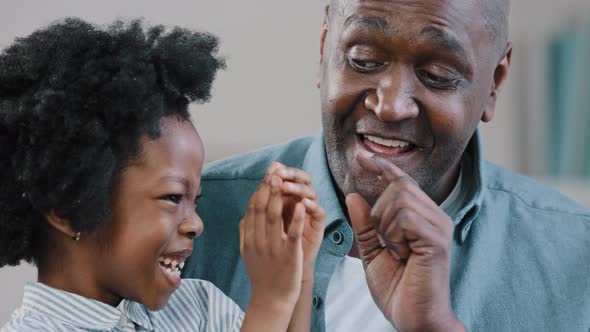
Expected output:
{"points": [[452, 325]]}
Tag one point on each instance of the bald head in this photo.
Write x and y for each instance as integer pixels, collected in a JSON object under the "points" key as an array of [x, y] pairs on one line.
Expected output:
{"points": [[495, 14]]}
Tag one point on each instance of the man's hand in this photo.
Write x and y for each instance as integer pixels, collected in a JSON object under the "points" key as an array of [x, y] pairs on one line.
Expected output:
{"points": [[405, 244]]}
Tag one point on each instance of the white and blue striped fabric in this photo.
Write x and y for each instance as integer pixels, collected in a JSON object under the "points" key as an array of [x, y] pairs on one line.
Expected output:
{"points": [[197, 305]]}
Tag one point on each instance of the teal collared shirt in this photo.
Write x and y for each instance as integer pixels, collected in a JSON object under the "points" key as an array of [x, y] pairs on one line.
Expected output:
{"points": [[521, 252]]}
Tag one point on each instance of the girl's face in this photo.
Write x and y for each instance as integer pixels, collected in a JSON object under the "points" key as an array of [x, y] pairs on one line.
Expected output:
{"points": [[153, 222]]}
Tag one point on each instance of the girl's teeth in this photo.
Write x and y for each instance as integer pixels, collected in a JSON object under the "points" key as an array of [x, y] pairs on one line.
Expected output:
{"points": [[172, 272], [173, 265]]}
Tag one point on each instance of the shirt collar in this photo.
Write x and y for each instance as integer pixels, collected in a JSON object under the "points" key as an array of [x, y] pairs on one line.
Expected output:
{"points": [[316, 165], [137, 313], [473, 183], [454, 201], [79, 311]]}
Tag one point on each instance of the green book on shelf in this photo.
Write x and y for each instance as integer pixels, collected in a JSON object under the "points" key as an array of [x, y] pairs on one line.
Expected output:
{"points": [[569, 117], [586, 95]]}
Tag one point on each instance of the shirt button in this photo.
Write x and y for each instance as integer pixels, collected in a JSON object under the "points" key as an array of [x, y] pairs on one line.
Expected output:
{"points": [[316, 302], [337, 237]]}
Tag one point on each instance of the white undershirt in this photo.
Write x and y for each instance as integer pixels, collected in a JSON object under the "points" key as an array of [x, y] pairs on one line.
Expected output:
{"points": [[349, 305]]}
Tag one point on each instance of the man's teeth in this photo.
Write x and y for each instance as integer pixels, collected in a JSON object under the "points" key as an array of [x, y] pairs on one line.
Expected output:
{"points": [[387, 142]]}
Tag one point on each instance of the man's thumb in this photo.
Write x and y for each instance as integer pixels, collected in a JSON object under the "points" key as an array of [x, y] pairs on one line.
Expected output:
{"points": [[360, 213]]}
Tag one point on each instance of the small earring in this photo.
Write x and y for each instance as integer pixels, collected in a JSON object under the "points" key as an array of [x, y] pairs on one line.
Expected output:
{"points": [[76, 237]]}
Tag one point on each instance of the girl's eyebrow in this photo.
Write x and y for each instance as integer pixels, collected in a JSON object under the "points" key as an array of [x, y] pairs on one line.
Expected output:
{"points": [[178, 179]]}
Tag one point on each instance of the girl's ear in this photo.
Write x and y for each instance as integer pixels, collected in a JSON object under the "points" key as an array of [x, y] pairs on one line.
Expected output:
{"points": [[61, 224]]}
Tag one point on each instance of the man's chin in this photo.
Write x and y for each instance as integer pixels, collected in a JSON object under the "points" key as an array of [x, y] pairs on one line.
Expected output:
{"points": [[370, 190]]}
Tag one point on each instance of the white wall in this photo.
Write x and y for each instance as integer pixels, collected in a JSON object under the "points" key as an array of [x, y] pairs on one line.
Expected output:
{"points": [[268, 94]]}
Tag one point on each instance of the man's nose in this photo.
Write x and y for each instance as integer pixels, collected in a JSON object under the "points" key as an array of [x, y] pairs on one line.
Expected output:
{"points": [[393, 100], [192, 225]]}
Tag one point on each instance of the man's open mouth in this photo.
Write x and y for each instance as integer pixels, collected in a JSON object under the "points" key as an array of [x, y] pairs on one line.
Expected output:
{"points": [[386, 146]]}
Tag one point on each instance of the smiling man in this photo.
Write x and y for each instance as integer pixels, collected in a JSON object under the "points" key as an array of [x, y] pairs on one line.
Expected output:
{"points": [[422, 234]]}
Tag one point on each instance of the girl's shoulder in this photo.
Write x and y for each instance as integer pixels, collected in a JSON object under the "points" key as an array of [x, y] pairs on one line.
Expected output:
{"points": [[198, 305], [31, 321]]}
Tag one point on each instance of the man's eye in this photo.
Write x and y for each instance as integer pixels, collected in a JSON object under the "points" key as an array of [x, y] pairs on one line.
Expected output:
{"points": [[174, 198], [438, 82], [364, 66]]}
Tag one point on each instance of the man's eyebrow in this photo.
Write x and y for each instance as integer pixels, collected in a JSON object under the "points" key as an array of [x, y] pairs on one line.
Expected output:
{"points": [[373, 23], [442, 39]]}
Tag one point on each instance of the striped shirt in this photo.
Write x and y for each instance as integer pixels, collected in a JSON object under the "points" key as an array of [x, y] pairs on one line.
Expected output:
{"points": [[197, 305]]}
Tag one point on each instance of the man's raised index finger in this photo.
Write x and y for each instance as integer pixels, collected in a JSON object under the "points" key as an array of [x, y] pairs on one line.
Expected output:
{"points": [[380, 166]]}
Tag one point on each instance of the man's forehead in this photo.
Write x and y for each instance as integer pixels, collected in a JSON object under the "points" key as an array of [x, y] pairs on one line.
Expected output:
{"points": [[445, 22], [489, 15], [458, 8]]}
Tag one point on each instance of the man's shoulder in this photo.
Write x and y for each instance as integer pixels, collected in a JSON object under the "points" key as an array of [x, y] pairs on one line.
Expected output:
{"points": [[253, 165], [534, 196]]}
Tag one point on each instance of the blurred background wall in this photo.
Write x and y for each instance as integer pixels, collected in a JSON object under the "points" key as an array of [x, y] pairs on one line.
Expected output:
{"points": [[268, 93]]}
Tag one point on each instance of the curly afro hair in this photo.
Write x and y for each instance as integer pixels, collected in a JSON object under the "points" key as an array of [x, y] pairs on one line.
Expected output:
{"points": [[74, 101]]}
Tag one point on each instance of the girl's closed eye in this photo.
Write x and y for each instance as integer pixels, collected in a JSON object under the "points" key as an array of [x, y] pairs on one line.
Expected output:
{"points": [[199, 195], [174, 198]]}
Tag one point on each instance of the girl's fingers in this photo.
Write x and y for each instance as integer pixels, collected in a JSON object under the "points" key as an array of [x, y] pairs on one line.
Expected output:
{"points": [[242, 236], [274, 166], [274, 212], [316, 212], [293, 175], [259, 220], [297, 189], [247, 224], [295, 231]]}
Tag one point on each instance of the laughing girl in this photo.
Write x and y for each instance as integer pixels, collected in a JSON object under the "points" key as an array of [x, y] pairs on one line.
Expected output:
{"points": [[99, 179]]}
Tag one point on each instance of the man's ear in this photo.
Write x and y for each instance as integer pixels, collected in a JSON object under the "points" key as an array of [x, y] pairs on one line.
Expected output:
{"points": [[500, 77], [323, 42], [61, 224]]}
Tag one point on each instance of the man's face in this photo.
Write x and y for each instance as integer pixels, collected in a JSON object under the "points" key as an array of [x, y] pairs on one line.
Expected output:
{"points": [[408, 81]]}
